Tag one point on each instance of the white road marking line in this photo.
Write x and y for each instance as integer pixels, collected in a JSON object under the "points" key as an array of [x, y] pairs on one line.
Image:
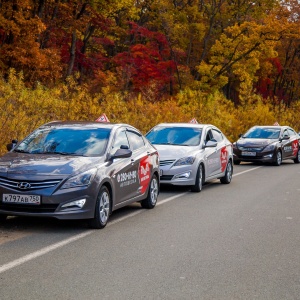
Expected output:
{"points": [[237, 174], [45, 250]]}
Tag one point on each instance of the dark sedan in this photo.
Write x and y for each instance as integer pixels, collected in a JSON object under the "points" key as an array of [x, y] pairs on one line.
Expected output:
{"points": [[270, 144], [78, 170]]}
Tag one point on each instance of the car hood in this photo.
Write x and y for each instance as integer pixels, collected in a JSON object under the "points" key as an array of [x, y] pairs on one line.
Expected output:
{"points": [[18, 165], [175, 152], [254, 142]]}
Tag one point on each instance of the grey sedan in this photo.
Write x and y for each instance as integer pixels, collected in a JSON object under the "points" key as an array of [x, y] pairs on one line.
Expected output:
{"points": [[78, 170], [191, 154]]}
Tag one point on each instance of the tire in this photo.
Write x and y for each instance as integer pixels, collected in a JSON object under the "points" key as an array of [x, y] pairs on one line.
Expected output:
{"points": [[278, 158], [228, 173], [297, 159], [236, 162], [102, 209], [197, 187], [151, 199]]}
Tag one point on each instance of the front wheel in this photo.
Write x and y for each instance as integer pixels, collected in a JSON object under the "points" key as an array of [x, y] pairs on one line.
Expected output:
{"points": [[151, 199], [102, 209], [297, 159], [197, 187], [228, 173], [278, 158]]}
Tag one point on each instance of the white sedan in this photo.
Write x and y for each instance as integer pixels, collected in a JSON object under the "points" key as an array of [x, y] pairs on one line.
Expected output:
{"points": [[191, 154]]}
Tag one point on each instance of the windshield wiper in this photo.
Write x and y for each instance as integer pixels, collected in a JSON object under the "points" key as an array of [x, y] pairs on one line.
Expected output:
{"points": [[60, 153], [20, 151]]}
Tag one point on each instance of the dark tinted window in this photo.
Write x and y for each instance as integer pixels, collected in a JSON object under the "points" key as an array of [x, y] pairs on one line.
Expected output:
{"points": [[136, 141], [175, 136], [66, 140]]}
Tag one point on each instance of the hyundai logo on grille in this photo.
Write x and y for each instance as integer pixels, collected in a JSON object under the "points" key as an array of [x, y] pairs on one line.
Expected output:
{"points": [[24, 185]]}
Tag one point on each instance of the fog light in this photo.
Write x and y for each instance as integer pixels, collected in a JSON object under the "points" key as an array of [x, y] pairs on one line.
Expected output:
{"points": [[268, 156], [77, 203], [183, 175]]}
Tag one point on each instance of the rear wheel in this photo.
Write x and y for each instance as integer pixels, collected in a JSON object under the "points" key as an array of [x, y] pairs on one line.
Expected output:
{"points": [[228, 173], [197, 187], [151, 199], [297, 159], [278, 158], [102, 209]]}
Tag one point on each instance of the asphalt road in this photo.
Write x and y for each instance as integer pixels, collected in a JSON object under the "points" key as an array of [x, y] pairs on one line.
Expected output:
{"points": [[236, 241]]}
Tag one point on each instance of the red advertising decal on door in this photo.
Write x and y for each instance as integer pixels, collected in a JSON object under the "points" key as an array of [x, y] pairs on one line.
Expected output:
{"points": [[295, 147], [144, 174], [223, 159]]}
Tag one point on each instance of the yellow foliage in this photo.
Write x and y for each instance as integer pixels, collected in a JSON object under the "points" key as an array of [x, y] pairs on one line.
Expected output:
{"points": [[23, 109]]}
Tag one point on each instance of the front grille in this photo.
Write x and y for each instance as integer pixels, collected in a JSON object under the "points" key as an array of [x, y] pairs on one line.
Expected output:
{"points": [[22, 185], [166, 177], [166, 162], [43, 208], [254, 149]]}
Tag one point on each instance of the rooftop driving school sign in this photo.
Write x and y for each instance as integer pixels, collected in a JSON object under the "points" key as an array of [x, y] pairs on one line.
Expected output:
{"points": [[194, 121], [102, 118]]}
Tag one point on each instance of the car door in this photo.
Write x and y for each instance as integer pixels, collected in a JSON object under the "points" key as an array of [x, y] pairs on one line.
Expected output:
{"points": [[294, 138], [142, 163], [211, 156], [222, 150], [286, 145], [124, 170]]}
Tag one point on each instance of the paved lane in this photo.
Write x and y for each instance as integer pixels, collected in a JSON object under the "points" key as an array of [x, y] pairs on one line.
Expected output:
{"points": [[237, 241]]}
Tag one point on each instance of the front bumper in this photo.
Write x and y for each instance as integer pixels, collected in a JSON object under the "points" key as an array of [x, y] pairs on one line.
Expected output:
{"points": [[183, 175], [52, 204], [266, 157]]}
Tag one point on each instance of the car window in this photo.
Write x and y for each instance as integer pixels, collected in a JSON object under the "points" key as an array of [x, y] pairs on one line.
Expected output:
{"points": [[217, 135], [291, 132], [78, 140], [209, 136], [136, 141], [262, 133], [120, 140], [181, 136]]}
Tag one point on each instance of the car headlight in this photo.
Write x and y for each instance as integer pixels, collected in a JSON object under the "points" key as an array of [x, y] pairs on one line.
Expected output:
{"points": [[185, 161], [81, 179], [270, 147]]}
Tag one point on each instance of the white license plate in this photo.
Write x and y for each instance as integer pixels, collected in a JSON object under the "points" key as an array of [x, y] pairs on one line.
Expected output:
{"points": [[23, 199], [160, 172], [249, 153]]}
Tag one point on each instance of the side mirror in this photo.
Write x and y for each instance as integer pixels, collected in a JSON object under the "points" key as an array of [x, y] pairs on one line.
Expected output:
{"points": [[240, 135], [285, 137], [12, 145], [121, 153], [211, 144]]}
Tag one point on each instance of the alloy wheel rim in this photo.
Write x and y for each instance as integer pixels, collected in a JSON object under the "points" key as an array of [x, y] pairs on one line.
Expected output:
{"points": [[278, 157], [153, 191], [104, 207], [200, 178], [229, 171]]}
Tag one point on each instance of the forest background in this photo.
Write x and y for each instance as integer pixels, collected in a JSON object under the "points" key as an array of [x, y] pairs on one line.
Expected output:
{"points": [[232, 63]]}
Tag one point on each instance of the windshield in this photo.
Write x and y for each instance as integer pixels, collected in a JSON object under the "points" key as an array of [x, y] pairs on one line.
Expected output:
{"points": [[262, 133], [182, 136], [66, 141]]}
